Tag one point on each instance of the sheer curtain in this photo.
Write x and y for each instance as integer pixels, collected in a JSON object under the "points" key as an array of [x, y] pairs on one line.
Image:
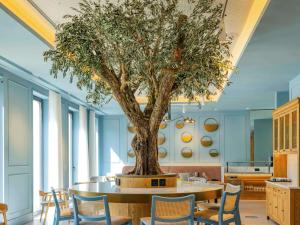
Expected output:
{"points": [[54, 154], [83, 153], [92, 144]]}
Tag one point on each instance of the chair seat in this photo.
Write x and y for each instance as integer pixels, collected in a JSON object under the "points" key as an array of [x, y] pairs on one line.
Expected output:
{"points": [[51, 202], [66, 212], [115, 220], [147, 221], [211, 214], [205, 206]]}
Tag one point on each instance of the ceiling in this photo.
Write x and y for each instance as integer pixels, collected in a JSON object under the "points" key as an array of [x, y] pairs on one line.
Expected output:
{"points": [[269, 62]]}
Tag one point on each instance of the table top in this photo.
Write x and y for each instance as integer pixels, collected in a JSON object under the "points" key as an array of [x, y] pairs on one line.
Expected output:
{"points": [[144, 195]]}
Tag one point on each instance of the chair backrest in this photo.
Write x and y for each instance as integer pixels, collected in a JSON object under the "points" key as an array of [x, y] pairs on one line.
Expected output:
{"points": [[173, 209], [56, 203], [232, 188], [98, 179], [3, 210], [229, 202], [91, 209]]}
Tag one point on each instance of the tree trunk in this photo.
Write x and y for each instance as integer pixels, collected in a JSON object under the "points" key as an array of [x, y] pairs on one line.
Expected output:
{"points": [[146, 152]]}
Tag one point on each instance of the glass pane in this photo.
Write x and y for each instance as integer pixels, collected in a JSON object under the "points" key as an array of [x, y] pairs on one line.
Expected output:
{"points": [[37, 153], [281, 134], [276, 134], [294, 129], [70, 142], [287, 131]]}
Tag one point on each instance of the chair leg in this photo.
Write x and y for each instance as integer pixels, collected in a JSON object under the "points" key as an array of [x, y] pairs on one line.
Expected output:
{"points": [[237, 218], [4, 218], [45, 217], [42, 212]]}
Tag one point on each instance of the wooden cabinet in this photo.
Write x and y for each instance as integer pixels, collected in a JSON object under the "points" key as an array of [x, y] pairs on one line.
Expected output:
{"points": [[282, 204], [286, 128], [253, 186], [286, 135]]}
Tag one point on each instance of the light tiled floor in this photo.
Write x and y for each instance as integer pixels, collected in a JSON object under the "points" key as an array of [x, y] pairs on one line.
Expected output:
{"points": [[252, 213]]}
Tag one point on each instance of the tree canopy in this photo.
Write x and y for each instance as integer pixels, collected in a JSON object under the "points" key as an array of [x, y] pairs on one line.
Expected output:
{"points": [[158, 48]]}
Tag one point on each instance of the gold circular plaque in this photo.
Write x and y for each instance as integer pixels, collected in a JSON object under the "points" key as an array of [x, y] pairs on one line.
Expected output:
{"points": [[162, 152], [131, 153], [131, 128], [214, 153], [179, 124], [186, 152], [161, 139], [211, 124], [206, 141], [186, 137], [163, 125]]}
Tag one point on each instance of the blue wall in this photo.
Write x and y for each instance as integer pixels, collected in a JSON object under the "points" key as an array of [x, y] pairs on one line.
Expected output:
{"points": [[294, 87], [232, 139], [262, 139]]}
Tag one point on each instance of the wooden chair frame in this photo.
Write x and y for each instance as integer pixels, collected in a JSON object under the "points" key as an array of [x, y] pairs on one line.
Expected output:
{"points": [[189, 218], [3, 210], [235, 212], [57, 214]]}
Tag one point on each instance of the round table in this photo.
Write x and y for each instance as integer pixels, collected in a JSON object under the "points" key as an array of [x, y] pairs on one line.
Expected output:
{"points": [[136, 202]]}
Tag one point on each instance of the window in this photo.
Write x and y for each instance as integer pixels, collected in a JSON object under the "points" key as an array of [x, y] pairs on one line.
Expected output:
{"points": [[97, 149], [70, 146], [37, 151]]}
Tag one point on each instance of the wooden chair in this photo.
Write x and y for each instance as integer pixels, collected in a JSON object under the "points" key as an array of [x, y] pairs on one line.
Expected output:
{"points": [[62, 213], [226, 214], [95, 210], [171, 210], [46, 202], [3, 210], [229, 188]]}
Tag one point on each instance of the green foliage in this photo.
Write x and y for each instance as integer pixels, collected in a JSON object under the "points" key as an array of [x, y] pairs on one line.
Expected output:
{"points": [[136, 40]]}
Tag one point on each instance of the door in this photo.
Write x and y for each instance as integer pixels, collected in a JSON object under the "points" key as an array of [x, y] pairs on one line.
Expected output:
{"points": [[1, 140], [18, 151]]}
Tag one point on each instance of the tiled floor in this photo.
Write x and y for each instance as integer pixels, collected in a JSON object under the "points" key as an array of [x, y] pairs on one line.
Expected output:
{"points": [[252, 213]]}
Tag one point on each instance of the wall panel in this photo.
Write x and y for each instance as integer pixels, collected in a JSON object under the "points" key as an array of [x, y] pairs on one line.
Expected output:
{"points": [[18, 148], [232, 140]]}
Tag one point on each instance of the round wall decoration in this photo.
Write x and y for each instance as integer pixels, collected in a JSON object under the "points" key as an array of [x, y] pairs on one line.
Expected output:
{"points": [[186, 137], [131, 153], [131, 128], [161, 139], [186, 152], [214, 153], [163, 125], [179, 124], [206, 141], [162, 152], [211, 124]]}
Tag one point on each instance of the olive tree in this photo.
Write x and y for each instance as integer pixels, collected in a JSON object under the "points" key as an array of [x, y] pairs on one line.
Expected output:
{"points": [[160, 49]]}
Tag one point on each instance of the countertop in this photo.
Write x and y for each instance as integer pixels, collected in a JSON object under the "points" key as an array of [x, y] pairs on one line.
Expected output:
{"points": [[248, 174], [287, 185]]}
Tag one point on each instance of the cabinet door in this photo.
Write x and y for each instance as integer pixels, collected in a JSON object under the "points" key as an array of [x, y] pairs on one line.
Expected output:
{"points": [[281, 133], [275, 134], [285, 207], [274, 204], [287, 132], [294, 130], [269, 200]]}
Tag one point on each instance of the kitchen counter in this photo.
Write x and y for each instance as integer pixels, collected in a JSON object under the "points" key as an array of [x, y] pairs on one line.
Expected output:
{"points": [[287, 185]]}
